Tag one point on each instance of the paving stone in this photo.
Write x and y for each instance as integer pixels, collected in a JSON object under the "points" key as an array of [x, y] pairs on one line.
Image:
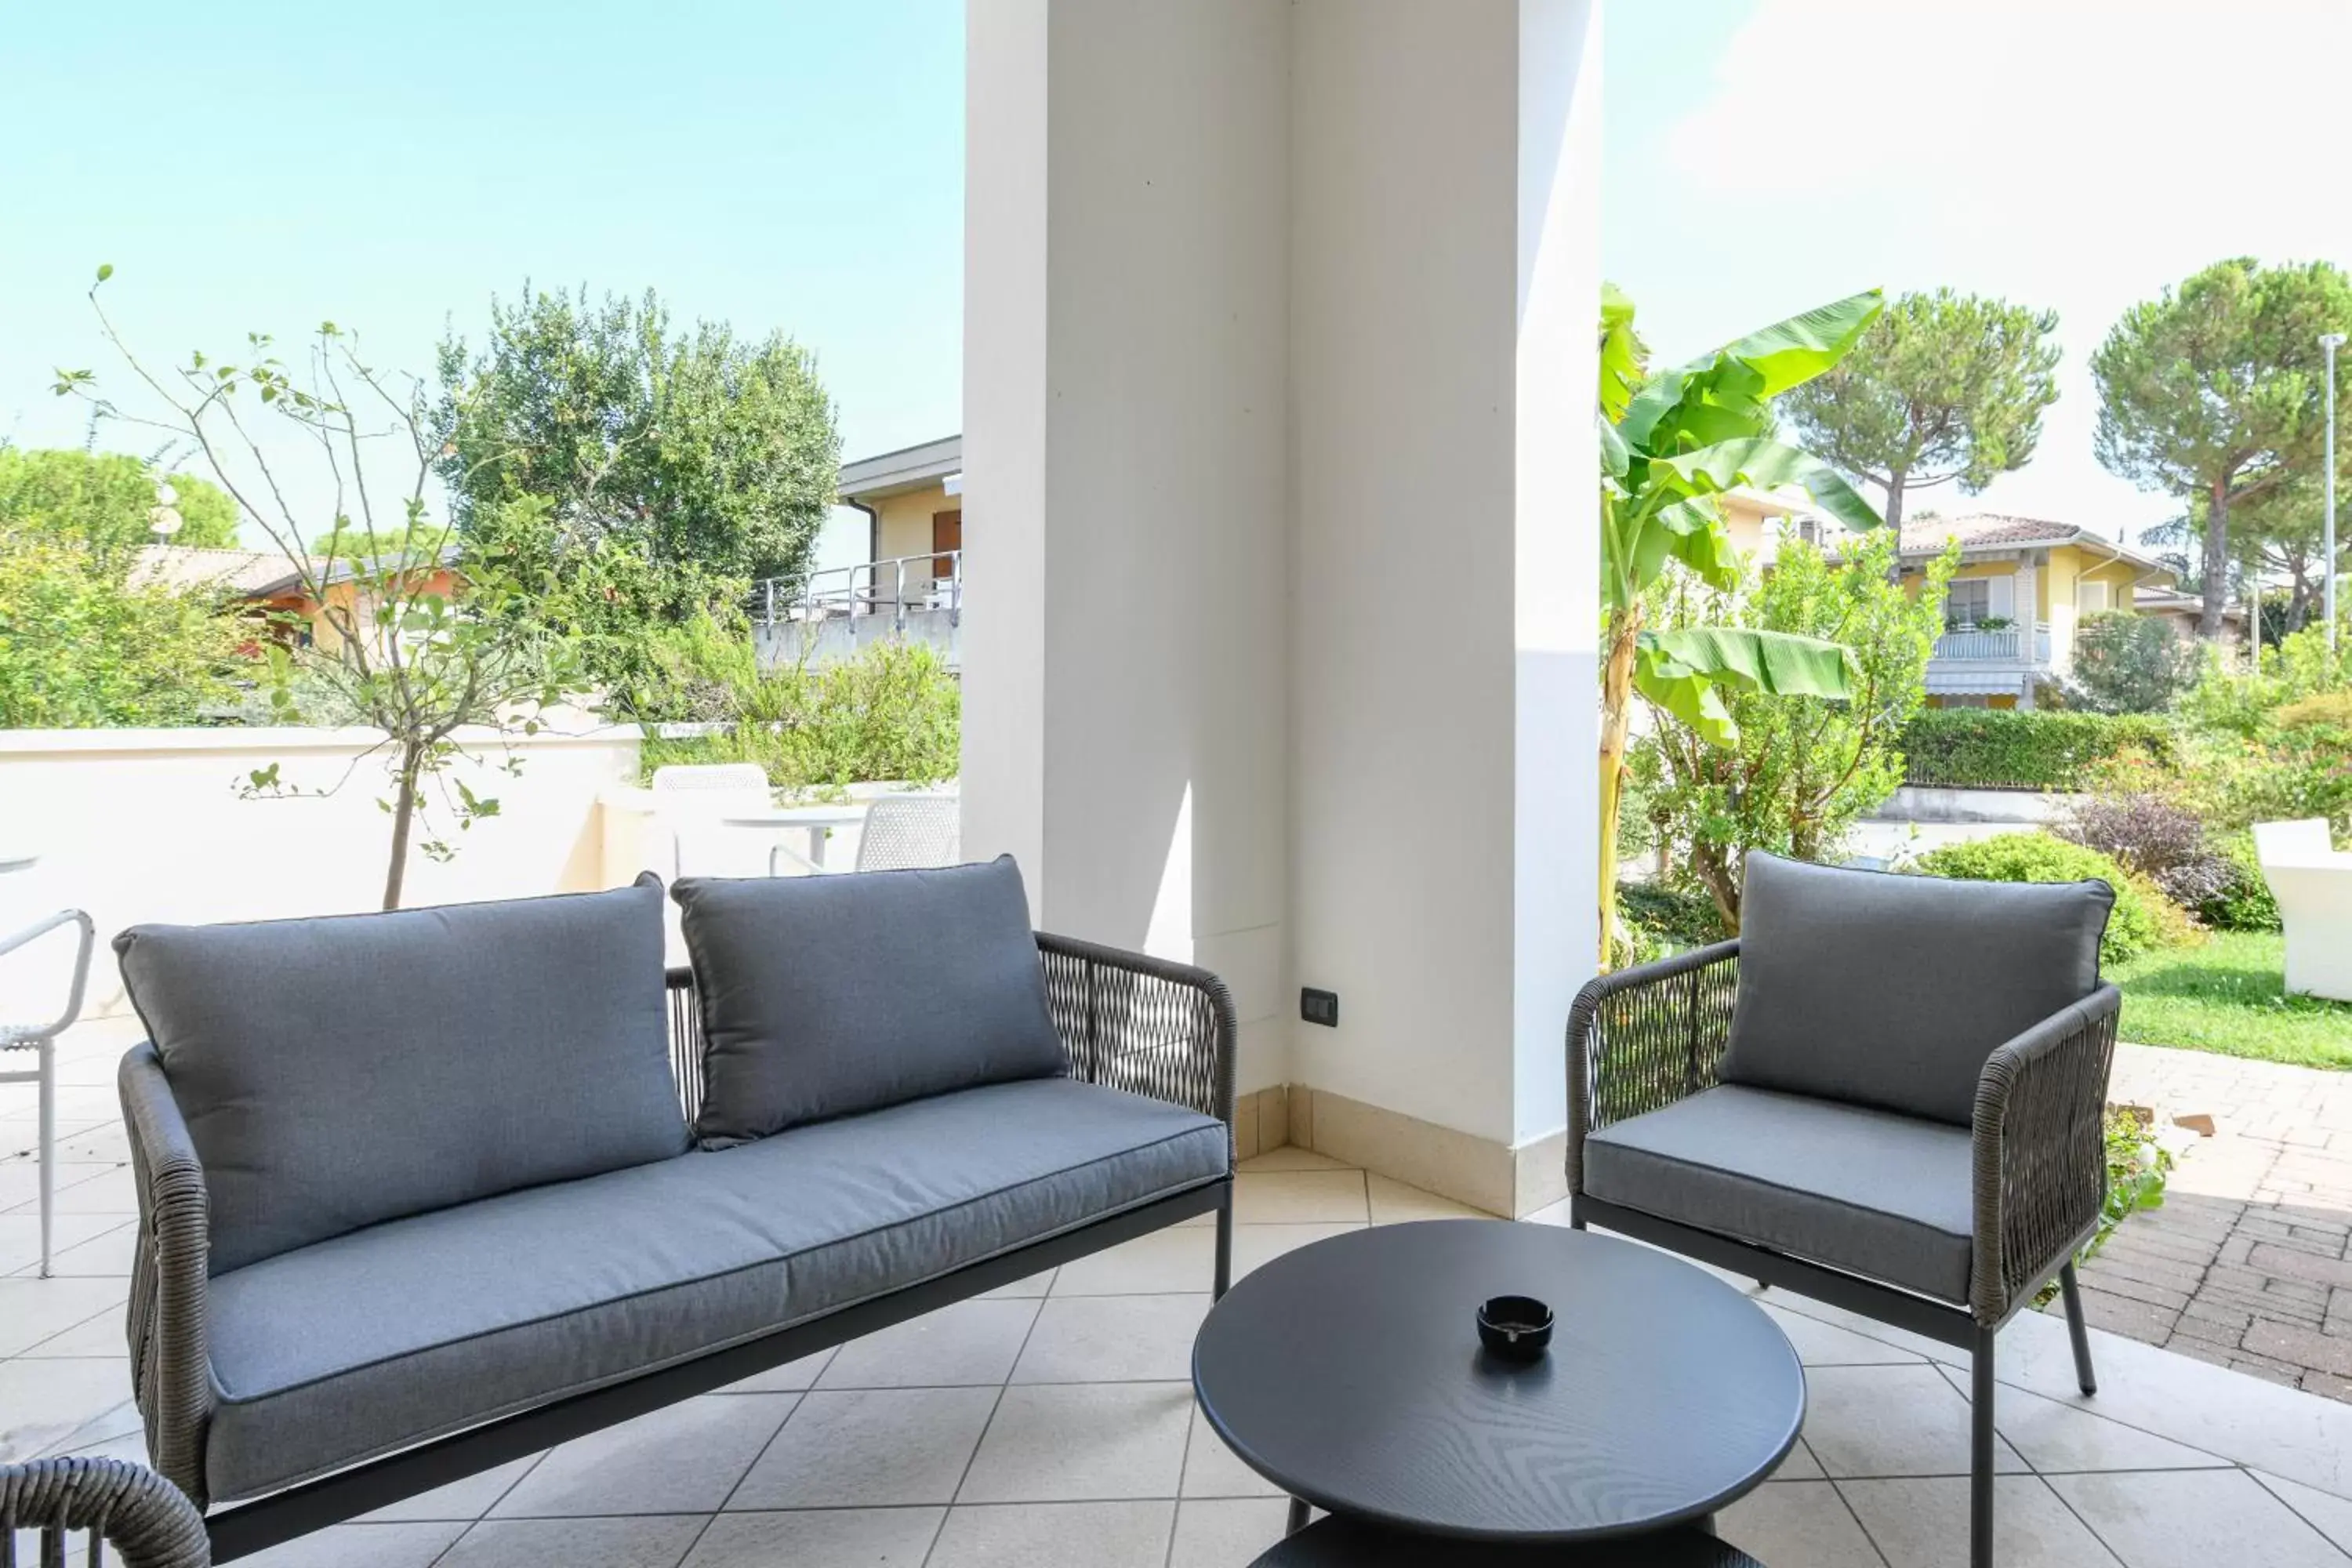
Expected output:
{"points": [[2286, 1342], [2123, 1315]]}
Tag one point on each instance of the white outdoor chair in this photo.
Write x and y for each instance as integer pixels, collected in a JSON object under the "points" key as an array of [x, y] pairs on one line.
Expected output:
{"points": [[695, 795], [2311, 880], [42, 1040], [901, 831]]}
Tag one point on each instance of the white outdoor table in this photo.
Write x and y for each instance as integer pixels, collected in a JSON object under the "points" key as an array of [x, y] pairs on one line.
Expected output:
{"points": [[818, 820]]}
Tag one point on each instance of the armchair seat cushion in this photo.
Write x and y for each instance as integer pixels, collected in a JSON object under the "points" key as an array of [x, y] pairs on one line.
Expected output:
{"points": [[377, 1340], [1874, 1194]]}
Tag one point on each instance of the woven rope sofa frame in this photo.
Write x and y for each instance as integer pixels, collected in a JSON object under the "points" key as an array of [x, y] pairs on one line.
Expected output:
{"points": [[1127, 1021], [125, 1506], [1648, 1036]]}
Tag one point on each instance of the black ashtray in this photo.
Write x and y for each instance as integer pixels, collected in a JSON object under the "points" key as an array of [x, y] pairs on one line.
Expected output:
{"points": [[1518, 1327]]}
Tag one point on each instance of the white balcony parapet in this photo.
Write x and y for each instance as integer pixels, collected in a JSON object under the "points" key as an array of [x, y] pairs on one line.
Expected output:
{"points": [[2001, 644]]}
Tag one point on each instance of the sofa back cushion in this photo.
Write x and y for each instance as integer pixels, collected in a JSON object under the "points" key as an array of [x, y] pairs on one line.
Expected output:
{"points": [[827, 995], [338, 1072], [1877, 989]]}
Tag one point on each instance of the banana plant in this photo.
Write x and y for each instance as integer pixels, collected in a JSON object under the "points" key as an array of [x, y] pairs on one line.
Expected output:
{"points": [[1670, 444]]}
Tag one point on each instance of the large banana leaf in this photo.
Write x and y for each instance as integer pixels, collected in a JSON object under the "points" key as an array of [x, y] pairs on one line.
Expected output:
{"points": [[1766, 465], [1681, 671], [1782, 355], [1621, 353]]}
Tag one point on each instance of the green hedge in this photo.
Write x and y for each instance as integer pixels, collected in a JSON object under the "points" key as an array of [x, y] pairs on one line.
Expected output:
{"points": [[1994, 747]]}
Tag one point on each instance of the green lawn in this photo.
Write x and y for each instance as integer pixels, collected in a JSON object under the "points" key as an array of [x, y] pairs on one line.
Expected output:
{"points": [[2226, 996]]}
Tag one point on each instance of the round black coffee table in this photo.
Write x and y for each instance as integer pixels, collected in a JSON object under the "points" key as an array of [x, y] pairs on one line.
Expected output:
{"points": [[1349, 1373]]}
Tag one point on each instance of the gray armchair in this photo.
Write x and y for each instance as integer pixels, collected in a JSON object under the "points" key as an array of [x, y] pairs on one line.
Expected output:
{"points": [[1887, 1095]]}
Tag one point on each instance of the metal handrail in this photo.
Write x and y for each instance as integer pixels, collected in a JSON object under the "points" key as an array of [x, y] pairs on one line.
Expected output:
{"points": [[858, 590]]}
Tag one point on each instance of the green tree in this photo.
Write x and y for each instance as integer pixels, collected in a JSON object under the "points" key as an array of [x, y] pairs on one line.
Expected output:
{"points": [[1802, 772], [1944, 387], [696, 448], [1670, 443], [2126, 663], [80, 647], [104, 500], [2214, 392], [437, 674]]}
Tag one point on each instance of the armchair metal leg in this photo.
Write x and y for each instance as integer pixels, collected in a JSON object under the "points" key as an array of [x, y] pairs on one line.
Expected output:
{"points": [[1981, 1452], [1225, 1248], [2076, 1330], [47, 1150]]}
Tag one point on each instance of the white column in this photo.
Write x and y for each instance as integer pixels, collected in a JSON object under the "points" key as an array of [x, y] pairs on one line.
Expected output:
{"points": [[1280, 640], [2029, 624]]}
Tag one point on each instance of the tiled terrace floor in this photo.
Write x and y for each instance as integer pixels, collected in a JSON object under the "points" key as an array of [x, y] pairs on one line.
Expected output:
{"points": [[2249, 1262], [1053, 1426]]}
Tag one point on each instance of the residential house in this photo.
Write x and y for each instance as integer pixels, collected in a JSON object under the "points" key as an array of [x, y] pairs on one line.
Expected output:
{"points": [[273, 588], [911, 583]]}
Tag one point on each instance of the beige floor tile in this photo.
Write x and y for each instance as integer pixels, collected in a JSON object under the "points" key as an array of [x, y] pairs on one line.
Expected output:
{"points": [[105, 1254], [1254, 1246], [1226, 1532], [1291, 1158], [20, 1239], [1034, 1285], [1109, 1338], [870, 1449], [101, 1336], [682, 1459], [651, 1541], [409, 1545], [1211, 1471], [1180, 1258], [32, 1311], [2055, 1437], [1825, 1344], [1300, 1198], [2324, 1512], [1890, 1421], [969, 1345], [2195, 1519], [1393, 1202], [1076, 1442], [1804, 1524], [46, 1403], [1923, 1523], [1800, 1466], [20, 1182], [107, 1190], [1060, 1535], [791, 1377], [823, 1538], [463, 1501]]}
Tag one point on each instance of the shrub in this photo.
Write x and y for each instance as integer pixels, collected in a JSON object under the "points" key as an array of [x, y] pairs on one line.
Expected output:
{"points": [[2127, 663], [2328, 709], [2243, 902], [2157, 837], [1992, 748], [2142, 919], [1687, 919], [80, 647], [893, 713]]}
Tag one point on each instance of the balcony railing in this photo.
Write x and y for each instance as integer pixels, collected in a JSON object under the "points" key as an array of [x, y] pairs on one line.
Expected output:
{"points": [[2000, 646], [895, 587]]}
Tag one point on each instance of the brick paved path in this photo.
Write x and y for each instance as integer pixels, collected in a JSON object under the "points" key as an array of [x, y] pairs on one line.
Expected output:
{"points": [[2249, 1262]]}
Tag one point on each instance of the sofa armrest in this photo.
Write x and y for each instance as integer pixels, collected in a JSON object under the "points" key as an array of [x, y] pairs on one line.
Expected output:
{"points": [[1644, 1037], [1143, 1023], [171, 1368], [133, 1509], [2040, 1161]]}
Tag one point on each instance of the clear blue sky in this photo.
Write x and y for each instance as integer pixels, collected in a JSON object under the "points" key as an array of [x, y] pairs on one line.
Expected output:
{"points": [[798, 164], [266, 164]]}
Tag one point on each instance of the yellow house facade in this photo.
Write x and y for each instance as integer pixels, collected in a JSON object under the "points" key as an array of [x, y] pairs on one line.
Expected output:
{"points": [[913, 502]]}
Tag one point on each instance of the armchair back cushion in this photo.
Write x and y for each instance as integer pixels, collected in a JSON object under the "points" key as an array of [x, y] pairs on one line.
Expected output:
{"points": [[826, 997], [336, 1072], [1876, 989]]}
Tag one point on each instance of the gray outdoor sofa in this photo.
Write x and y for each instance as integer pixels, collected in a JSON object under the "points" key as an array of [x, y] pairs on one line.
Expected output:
{"points": [[426, 1191], [1887, 1094]]}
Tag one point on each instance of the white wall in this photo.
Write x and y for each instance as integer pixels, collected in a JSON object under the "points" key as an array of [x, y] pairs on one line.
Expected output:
{"points": [[1279, 380], [148, 824], [1127, 469]]}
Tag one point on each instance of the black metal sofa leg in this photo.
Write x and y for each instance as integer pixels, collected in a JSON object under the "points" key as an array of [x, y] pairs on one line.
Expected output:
{"points": [[2077, 1330], [1980, 1451], [1225, 1248]]}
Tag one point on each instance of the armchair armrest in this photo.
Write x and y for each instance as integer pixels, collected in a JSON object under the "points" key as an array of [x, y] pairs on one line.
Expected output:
{"points": [[133, 1509], [171, 1367], [1143, 1024], [1644, 1037], [2039, 1163]]}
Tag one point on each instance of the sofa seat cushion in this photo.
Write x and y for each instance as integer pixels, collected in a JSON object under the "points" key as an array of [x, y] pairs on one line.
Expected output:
{"points": [[1867, 1192], [377, 1340], [830, 995]]}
